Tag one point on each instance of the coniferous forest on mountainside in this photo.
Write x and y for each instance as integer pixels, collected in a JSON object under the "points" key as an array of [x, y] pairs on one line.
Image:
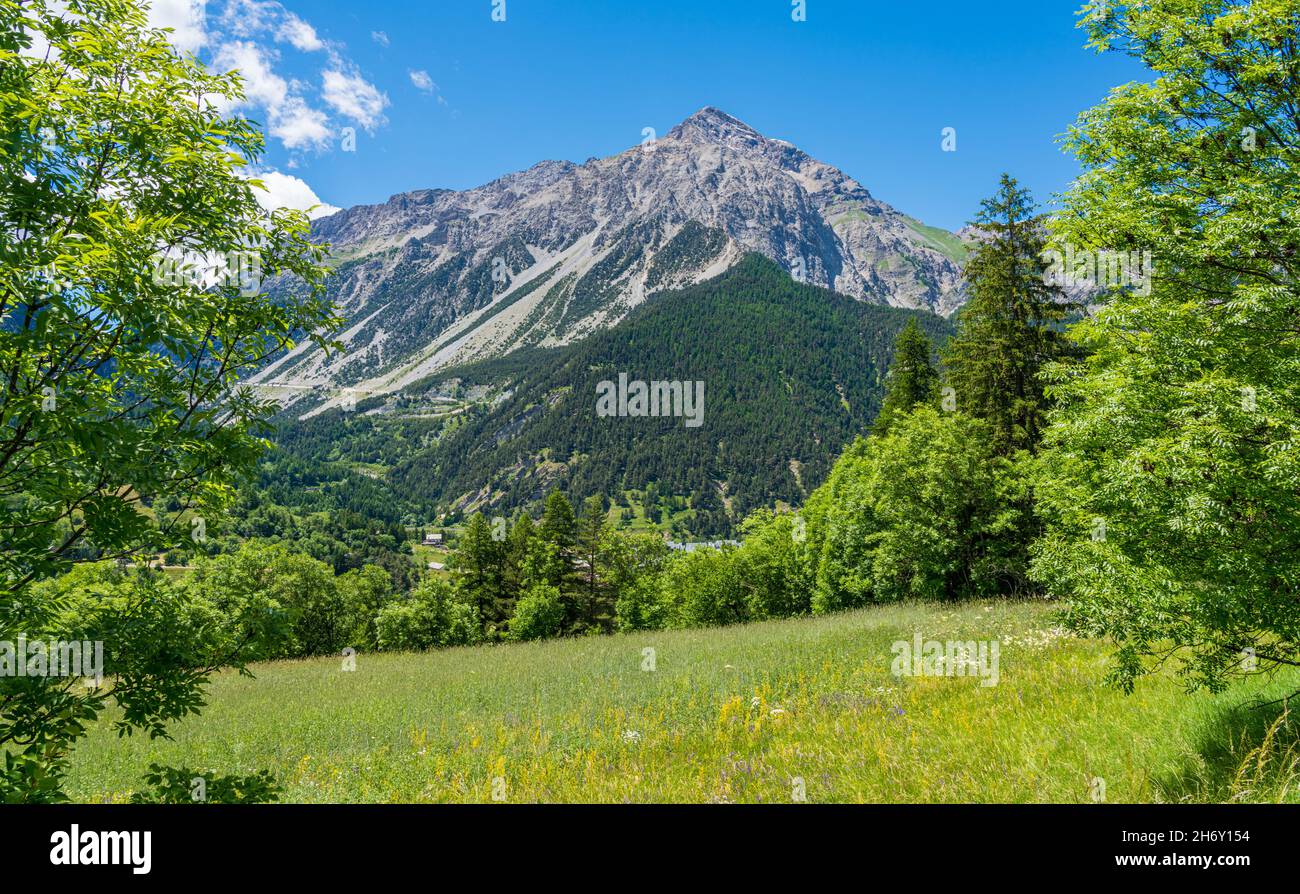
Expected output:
{"points": [[791, 372]]}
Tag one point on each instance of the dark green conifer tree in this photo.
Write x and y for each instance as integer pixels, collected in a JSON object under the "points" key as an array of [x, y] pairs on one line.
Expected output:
{"points": [[479, 570], [593, 530], [559, 531], [912, 378], [1009, 328], [523, 534]]}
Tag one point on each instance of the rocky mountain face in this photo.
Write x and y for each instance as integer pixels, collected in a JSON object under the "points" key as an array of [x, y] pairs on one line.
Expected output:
{"points": [[549, 255]]}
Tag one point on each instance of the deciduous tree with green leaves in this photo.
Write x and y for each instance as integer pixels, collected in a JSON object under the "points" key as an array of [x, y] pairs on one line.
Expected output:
{"points": [[1172, 490], [929, 511], [132, 246]]}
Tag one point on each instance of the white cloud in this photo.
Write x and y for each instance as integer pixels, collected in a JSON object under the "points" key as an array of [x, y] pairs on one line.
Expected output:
{"points": [[379, 37], [422, 81], [245, 18], [242, 35], [253, 18], [354, 97], [287, 191], [297, 32], [300, 126], [187, 18], [261, 84], [288, 116]]}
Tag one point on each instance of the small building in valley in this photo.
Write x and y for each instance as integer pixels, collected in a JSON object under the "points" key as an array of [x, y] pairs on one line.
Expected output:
{"points": [[692, 547]]}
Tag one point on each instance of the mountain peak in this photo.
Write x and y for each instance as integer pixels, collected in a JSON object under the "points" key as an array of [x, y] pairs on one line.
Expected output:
{"points": [[715, 126], [554, 253]]}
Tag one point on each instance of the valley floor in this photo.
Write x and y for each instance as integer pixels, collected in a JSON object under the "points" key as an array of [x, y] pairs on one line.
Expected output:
{"points": [[757, 713]]}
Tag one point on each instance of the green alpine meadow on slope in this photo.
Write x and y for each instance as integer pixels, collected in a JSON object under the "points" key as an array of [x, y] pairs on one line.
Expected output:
{"points": [[773, 712]]}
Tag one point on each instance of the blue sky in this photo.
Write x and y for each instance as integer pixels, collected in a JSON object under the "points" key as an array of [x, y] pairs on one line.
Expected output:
{"points": [[441, 95]]}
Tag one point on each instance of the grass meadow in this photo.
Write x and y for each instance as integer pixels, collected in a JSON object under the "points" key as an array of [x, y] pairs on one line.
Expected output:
{"points": [[756, 713]]}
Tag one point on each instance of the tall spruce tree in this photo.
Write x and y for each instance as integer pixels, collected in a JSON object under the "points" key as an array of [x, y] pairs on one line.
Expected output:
{"points": [[559, 530], [1010, 326], [912, 379], [518, 546], [593, 530], [479, 570]]}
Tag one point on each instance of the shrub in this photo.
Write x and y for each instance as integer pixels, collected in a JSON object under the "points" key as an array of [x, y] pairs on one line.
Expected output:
{"points": [[928, 511], [538, 614], [181, 785], [773, 569], [703, 588], [950, 512], [634, 563], [841, 529], [432, 616], [364, 592], [290, 603]]}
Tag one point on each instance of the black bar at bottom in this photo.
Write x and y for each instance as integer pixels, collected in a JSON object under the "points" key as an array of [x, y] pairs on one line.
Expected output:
{"points": [[338, 844]]}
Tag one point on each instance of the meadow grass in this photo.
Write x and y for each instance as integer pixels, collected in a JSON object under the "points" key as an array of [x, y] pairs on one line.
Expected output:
{"points": [[734, 714]]}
